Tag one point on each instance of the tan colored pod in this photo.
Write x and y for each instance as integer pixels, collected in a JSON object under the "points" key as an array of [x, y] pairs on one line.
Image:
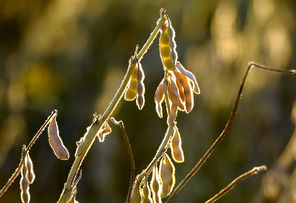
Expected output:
{"points": [[56, 142], [176, 147], [145, 192], [24, 186], [167, 175], [158, 98], [140, 88], [131, 91], [155, 186], [135, 194], [30, 175], [174, 94], [173, 113], [187, 90]]}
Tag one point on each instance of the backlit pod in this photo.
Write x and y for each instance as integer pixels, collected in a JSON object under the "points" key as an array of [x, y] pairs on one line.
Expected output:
{"points": [[140, 87], [167, 46], [145, 192], [155, 185], [24, 186], [30, 169], [167, 175], [135, 194], [176, 147], [56, 142], [158, 98], [131, 91], [187, 90]]}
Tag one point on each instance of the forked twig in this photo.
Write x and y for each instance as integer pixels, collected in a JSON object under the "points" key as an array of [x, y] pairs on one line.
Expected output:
{"points": [[27, 149], [226, 128], [130, 154], [240, 178]]}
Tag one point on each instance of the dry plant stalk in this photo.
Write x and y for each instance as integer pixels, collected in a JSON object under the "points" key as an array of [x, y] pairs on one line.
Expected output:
{"points": [[176, 90]]}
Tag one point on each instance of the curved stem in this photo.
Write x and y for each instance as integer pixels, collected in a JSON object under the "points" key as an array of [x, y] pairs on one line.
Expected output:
{"points": [[98, 123], [233, 183], [226, 128]]}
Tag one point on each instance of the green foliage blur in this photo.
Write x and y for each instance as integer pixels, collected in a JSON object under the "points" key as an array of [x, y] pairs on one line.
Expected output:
{"points": [[72, 56]]}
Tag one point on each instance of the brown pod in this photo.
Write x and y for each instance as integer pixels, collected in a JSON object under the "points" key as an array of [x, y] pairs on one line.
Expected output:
{"points": [[155, 185], [173, 113], [145, 193], [189, 103], [181, 91], [176, 147], [167, 175], [158, 98], [140, 88], [135, 194], [24, 186], [190, 76], [131, 91], [30, 168], [56, 142], [174, 91]]}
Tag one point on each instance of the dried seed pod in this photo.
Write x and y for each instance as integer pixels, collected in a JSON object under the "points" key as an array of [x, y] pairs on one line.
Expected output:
{"points": [[167, 175], [173, 112], [106, 130], [24, 186], [158, 98], [187, 89], [135, 194], [145, 192], [155, 185], [167, 46], [190, 76], [131, 92], [181, 90], [176, 147], [140, 88], [56, 142], [174, 94], [30, 175]]}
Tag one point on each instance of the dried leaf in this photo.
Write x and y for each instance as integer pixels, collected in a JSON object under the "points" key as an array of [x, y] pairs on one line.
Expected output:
{"points": [[56, 142], [176, 147], [167, 175], [106, 130]]}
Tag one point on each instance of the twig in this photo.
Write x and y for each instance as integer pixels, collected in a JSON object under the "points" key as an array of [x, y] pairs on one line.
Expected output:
{"points": [[226, 128], [27, 149], [240, 178], [130, 154]]}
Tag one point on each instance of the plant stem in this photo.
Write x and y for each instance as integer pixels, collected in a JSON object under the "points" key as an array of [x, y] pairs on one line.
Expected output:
{"points": [[98, 123], [27, 149], [226, 129], [240, 178]]}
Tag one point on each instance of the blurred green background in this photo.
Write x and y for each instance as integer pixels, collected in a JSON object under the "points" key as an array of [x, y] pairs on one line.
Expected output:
{"points": [[72, 56]]}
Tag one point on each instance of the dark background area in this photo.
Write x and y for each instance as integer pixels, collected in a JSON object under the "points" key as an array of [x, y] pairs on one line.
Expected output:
{"points": [[72, 56]]}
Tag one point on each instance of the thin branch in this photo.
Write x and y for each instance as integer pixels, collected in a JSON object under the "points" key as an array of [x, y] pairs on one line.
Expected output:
{"points": [[130, 154], [27, 149], [98, 123], [240, 178], [226, 128]]}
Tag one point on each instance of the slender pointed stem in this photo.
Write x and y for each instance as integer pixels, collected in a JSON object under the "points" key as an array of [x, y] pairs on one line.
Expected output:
{"points": [[130, 154], [226, 129], [27, 149], [98, 123], [233, 183]]}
